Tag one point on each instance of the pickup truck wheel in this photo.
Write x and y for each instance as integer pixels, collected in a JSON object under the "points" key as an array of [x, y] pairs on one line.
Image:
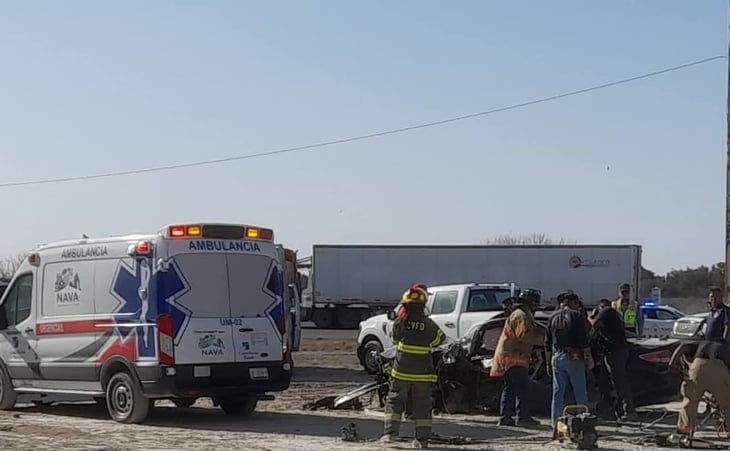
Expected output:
{"points": [[239, 407], [371, 355], [323, 318], [125, 401], [8, 397]]}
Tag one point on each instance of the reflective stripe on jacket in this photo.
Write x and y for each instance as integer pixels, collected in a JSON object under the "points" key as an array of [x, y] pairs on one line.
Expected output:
{"points": [[519, 335], [629, 316], [415, 335]]}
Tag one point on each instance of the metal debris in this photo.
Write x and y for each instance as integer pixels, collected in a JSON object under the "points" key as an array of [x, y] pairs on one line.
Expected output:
{"points": [[328, 403]]}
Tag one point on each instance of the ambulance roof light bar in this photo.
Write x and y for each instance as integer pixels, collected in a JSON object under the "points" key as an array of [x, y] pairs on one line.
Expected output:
{"points": [[220, 232]]}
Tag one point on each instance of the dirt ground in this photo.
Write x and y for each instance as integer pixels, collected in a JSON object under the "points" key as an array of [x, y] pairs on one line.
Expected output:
{"points": [[321, 369]]}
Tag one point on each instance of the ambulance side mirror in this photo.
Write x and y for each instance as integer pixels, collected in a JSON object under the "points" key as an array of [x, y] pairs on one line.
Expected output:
{"points": [[392, 315]]}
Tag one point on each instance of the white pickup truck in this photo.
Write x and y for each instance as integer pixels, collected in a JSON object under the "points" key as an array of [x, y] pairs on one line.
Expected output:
{"points": [[455, 308]]}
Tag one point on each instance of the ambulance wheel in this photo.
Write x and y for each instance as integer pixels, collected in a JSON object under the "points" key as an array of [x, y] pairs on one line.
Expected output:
{"points": [[184, 402], [125, 401], [241, 407], [8, 397]]}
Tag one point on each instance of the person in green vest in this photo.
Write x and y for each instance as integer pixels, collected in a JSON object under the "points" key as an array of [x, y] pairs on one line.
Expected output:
{"points": [[629, 310]]}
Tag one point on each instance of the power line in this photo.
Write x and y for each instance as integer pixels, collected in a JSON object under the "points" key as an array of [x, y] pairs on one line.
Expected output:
{"points": [[363, 137]]}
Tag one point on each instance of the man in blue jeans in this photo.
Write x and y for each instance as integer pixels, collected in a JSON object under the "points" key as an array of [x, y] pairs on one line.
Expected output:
{"points": [[568, 353]]}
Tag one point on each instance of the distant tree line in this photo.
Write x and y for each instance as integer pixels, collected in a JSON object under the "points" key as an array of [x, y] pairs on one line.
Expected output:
{"points": [[9, 265], [684, 283]]}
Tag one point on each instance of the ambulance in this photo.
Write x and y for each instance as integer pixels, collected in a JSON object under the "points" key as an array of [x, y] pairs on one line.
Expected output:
{"points": [[194, 310]]}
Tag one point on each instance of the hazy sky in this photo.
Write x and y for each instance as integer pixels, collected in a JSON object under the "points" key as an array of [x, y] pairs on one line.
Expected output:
{"points": [[90, 87]]}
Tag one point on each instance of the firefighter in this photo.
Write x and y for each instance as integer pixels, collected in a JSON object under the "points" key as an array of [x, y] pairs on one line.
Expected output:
{"points": [[413, 374], [400, 310], [708, 372], [629, 310], [512, 359]]}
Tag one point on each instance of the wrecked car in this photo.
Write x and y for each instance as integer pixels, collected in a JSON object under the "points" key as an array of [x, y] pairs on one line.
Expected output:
{"points": [[464, 384]]}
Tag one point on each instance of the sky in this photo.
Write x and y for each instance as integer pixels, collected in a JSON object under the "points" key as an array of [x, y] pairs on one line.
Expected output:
{"points": [[94, 87]]}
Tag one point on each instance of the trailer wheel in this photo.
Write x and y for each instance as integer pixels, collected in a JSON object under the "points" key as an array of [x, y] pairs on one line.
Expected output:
{"points": [[323, 318], [348, 318]]}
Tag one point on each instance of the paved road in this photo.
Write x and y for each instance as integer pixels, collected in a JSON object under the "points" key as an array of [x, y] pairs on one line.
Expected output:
{"points": [[309, 331]]}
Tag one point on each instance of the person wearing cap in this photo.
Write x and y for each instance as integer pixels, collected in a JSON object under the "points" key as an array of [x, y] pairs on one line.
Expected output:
{"points": [[568, 354], [629, 310], [512, 358], [412, 375]]}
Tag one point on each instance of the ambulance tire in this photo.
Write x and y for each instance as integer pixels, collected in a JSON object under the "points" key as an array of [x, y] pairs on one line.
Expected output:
{"points": [[242, 407], [125, 401], [8, 396]]}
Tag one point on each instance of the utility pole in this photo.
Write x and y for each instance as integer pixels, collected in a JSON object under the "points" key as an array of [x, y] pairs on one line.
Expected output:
{"points": [[727, 173]]}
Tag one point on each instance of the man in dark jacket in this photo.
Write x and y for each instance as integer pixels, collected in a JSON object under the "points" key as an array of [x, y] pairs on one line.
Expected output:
{"points": [[413, 375], [568, 354], [611, 333]]}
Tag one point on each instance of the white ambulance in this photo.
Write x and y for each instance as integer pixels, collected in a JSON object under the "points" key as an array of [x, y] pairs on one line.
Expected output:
{"points": [[195, 310]]}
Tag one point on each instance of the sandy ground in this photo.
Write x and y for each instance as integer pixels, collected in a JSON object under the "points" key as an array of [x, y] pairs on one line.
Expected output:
{"points": [[321, 369]]}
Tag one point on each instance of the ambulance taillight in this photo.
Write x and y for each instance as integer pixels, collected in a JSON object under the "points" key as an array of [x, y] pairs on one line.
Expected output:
{"points": [[165, 340]]}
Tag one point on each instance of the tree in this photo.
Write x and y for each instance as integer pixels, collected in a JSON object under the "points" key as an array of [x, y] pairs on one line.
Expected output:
{"points": [[10, 265], [532, 239]]}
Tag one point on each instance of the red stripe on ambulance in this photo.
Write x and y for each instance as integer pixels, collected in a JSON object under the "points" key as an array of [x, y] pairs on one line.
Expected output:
{"points": [[73, 327]]}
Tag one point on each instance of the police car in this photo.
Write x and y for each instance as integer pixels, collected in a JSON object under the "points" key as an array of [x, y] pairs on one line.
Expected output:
{"points": [[659, 319]]}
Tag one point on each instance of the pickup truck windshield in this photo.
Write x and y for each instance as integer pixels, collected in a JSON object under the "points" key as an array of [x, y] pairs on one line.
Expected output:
{"points": [[486, 300], [480, 300]]}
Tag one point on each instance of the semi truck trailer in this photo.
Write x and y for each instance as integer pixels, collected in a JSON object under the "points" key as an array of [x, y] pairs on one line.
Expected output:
{"points": [[349, 283]]}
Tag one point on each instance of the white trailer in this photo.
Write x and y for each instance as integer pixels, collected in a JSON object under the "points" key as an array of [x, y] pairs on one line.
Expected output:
{"points": [[349, 283]]}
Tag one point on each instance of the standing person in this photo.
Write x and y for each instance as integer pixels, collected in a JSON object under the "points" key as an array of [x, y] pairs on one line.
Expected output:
{"points": [[568, 354], [610, 332], [718, 320], [629, 310], [508, 306], [708, 372], [400, 310], [413, 375], [512, 358]]}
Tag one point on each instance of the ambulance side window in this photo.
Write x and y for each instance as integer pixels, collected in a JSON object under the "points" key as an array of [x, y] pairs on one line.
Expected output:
{"points": [[17, 305]]}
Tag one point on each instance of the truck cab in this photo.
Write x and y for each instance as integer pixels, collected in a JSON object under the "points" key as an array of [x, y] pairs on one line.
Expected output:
{"points": [[454, 308]]}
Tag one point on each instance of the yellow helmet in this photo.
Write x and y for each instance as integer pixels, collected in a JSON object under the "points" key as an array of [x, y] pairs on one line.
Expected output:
{"points": [[414, 294]]}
